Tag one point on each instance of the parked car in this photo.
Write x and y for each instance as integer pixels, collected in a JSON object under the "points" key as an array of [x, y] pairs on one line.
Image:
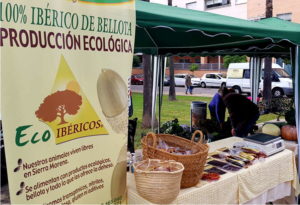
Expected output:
{"points": [[167, 80], [180, 80], [212, 80], [238, 78], [137, 79]]}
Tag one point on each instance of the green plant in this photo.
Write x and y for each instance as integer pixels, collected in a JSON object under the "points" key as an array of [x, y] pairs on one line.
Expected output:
{"points": [[173, 127], [234, 59], [281, 105], [290, 116], [136, 61], [193, 67]]}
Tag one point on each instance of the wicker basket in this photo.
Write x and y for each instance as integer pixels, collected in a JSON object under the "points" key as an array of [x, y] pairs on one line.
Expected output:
{"points": [[160, 187], [193, 164]]}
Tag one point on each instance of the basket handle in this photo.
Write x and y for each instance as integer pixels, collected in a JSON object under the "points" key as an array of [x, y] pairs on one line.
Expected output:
{"points": [[201, 136], [153, 135]]}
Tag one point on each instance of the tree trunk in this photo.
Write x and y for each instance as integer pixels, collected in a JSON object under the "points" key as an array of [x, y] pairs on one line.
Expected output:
{"points": [[147, 90], [267, 92], [62, 117], [269, 8], [172, 92]]}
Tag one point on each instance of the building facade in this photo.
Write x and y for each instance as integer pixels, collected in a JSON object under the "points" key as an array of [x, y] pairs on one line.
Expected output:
{"points": [[233, 8], [285, 9], [243, 9]]}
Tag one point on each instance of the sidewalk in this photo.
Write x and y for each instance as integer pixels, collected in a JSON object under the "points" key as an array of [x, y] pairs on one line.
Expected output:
{"points": [[181, 94]]}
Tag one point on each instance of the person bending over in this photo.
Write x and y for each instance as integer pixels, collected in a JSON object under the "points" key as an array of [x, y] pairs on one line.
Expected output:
{"points": [[243, 113]]}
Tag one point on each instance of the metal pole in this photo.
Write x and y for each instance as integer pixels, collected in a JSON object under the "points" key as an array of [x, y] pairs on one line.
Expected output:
{"points": [[154, 91], [163, 70], [161, 87], [255, 80], [219, 63], [251, 66], [259, 73], [297, 90]]}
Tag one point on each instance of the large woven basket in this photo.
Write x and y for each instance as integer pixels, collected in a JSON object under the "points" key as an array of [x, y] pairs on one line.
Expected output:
{"points": [[160, 187], [193, 164]]}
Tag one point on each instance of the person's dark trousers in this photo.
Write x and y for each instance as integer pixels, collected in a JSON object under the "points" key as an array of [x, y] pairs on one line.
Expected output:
{"points": [[244, 131]]}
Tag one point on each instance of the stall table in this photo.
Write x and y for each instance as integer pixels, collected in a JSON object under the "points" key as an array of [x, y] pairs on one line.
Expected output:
{"points": [[268, 180]]}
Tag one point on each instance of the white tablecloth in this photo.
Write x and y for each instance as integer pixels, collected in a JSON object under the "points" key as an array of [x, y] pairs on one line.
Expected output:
{"points": [[269, 180]]}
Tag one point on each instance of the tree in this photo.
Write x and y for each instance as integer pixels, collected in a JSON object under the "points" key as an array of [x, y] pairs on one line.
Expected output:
{"points": [[267, 92], [136, 61], [193, 67], [172, 92], [59, 104], [147, 91], [234, 59]]}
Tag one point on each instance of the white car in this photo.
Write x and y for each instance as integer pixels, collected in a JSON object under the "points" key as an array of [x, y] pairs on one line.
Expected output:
{"points": [[238, 78], [212, 80], [180, 80]]}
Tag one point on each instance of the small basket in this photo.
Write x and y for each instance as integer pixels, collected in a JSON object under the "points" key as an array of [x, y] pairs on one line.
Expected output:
{"points": [[160, 187], [193, 164]]}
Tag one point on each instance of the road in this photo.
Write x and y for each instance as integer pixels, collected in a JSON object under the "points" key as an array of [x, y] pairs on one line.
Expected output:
{"points": [[197, 91]]}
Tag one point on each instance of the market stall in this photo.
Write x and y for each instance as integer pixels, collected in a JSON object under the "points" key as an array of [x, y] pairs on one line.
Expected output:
{"points": [[268, 180], [165, 31]]}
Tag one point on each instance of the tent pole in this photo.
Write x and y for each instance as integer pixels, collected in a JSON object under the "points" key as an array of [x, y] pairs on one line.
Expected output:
{"points": [[297, 90], [255, 68], [259, 73], [160, 74], [154, 91], [252, 67], [254, 97], [161, 88], [250, 70]]}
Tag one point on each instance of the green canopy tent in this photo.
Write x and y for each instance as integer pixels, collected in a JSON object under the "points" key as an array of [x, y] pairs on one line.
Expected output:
{"points": [[163, 31]]}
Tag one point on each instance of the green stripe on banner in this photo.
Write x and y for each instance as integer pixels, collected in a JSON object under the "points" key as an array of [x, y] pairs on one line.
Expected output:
{"points": [[106, 1]]}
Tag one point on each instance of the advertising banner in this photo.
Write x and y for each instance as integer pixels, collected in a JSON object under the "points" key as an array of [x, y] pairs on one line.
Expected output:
{"points": [[65, 67]]}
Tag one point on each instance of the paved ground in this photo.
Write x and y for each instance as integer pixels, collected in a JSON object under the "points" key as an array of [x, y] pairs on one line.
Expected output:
{"points": [[197, 91]]}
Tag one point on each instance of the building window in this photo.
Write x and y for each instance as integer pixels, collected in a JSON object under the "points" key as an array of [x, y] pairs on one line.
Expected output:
{"points": [[187, 60], [286, 16], [191, 5], [240, 1], [216, 3]]}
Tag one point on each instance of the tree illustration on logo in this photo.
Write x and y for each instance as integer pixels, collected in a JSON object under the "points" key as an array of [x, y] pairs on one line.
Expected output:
{"points": [[59, 104]]}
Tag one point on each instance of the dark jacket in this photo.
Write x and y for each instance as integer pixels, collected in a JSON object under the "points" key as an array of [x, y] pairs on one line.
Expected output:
{"points": [[241, 110]]}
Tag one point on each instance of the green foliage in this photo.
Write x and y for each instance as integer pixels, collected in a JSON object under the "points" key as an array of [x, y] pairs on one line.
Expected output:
{"points": [[136, 61], [234, 59], [290, 117], [287, 61], [173, 127], [193, 67], [281, 105]]}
